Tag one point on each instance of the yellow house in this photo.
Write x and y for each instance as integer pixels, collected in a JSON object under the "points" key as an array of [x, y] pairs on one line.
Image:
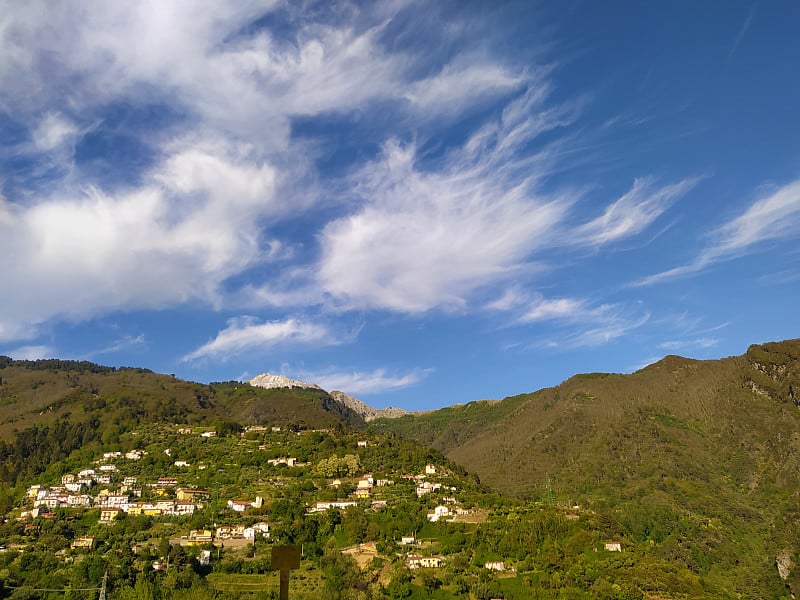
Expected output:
{"points": [[190, 494], [135, 508], [198, 537], [83, 542], [109, 515]]}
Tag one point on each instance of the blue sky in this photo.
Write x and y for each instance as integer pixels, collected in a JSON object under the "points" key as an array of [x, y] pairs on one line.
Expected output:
{"points": [[419, 203]]}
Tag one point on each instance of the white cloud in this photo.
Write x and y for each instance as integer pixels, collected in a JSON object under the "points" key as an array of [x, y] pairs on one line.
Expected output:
{"points": [[246, 334], [53, 131], [123, 343], [634, 211], [371, 382], [32, 352], [771, 218], [556, 308], [428, 239], [177, 238], [686, 345]]}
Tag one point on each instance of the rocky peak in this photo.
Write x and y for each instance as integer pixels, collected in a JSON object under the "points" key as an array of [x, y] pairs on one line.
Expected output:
{"points": [[269, 381], [365, 410]]}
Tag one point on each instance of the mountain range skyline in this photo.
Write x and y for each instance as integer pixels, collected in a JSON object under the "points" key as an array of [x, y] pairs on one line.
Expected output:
{"points": [[416, 204]]}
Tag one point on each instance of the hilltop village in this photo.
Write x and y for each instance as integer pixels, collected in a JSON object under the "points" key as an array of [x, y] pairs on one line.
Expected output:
{"points": [[116, 484], [204, 506]]}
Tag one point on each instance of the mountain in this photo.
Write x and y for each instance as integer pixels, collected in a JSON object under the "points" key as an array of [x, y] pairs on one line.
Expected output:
{"points": [[715, 443], [48, 408], [348, 402], [365, 410], [270, 381]]}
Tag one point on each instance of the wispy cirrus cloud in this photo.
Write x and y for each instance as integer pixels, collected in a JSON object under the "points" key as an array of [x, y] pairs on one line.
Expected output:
{"points": [[772, 218], [244, 334], [124, 343], [702, 343], [577, 322], [743, 29], [367, 382], [634, 211]]}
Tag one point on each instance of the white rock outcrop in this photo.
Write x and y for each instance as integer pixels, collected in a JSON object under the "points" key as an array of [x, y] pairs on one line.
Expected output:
{"points": [[269, 381]]}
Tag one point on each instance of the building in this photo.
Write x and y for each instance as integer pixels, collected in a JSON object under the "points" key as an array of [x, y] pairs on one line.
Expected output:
{"points": [[82, 542], [613, 546], [424, 562], [198, 537], [109, 515]]}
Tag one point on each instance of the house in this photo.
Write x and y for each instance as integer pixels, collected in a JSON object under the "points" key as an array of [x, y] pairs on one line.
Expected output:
{"points": [[191, 494], [68, 478], [426, 562], [430, 469], [613, 546], [130, 481], [204, 558], [110, 455], [363, 488], [289, 461], [181, 463], [262, 528], [109, 515], [183, 507], [104, 478], [230, 532], [255, 429], [408, 540], [426, 487], [184, 430], [438, 513], [87, 473], [135, 454], [362, 443], [198, 537], [134, 508], [79, 500], [82, 542], [34, 490], [496, 566], [166, 482], [383, 482], [322, 506], [73, 486], [239, 505], [209, 434], [108, 468], [115, 501], [165, 505]]}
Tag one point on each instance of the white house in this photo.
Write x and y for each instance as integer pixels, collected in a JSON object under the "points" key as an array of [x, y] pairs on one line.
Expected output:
{"points": [[427, 562], [438, 513]]}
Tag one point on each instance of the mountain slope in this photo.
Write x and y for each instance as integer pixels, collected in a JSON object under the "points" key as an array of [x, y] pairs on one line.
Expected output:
{"points": [[717, 442], [49, 408]]}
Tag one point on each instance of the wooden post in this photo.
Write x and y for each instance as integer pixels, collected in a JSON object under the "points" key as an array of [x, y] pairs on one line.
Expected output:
{"points": [[284, 559]]}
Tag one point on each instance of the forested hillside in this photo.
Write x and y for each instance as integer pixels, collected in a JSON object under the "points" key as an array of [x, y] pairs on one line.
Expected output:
{"points": [[714, 442]]}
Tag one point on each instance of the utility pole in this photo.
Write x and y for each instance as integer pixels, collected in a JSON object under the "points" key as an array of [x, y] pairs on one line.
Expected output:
{"points": [[103, 587]]}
